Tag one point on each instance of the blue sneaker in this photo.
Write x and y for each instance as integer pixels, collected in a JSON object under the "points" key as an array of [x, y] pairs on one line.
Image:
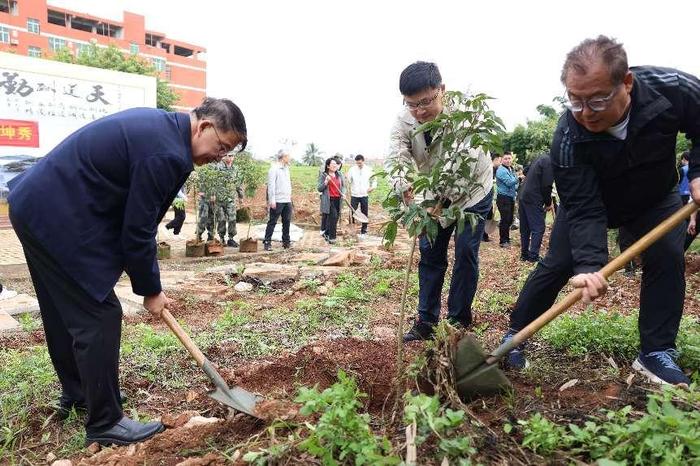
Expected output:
{"points": [[660, 367], [515, 359]]}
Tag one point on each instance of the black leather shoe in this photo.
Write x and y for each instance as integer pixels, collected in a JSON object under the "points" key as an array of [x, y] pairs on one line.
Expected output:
{"points": [[268, 247], [65, 405], [125, 432], [459, 324], [286, 245], [231, 243], [419, 331]]}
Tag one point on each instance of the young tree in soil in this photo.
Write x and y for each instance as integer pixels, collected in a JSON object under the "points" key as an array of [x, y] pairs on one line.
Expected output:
{"points": [[465, 127]]}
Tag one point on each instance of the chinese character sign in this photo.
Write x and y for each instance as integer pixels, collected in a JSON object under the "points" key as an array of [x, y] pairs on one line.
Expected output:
{"points": [[19, 133], [38, 96]]}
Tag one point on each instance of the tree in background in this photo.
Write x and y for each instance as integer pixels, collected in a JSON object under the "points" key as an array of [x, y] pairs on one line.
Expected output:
{"points": [[312, 156], [535, 138], [112, 58]]}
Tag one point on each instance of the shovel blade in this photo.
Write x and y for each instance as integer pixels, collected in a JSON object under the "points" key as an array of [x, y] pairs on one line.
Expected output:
{"points": [[359, 216], [491, 227], [236, 398], [472, 375]]}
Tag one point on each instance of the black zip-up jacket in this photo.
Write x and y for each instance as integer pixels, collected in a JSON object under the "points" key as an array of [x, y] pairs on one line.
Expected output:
{"points": [[537, 188], [606, 182]]}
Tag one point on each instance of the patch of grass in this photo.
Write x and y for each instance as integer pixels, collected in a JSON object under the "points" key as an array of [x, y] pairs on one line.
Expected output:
{"points": [[27, 383], [493, 301], [28, 322], [384, 280], [667, 433], [614, 334], [146, 353]]}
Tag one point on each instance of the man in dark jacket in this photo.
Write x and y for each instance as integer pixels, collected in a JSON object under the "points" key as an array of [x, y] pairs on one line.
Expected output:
{"points": [[614, 163], [89, 211], [534, 199]]}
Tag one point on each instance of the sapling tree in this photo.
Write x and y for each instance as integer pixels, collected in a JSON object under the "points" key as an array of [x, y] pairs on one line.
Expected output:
{"points": [[459, 134]]}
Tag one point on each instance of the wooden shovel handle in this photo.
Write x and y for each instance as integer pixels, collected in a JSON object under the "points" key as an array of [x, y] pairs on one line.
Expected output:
{"points": [[183, 337], [619, 262]]}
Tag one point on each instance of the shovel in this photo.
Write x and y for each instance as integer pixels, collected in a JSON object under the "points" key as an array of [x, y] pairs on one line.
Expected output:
{"points": [[478, 373], [356, 213], [236, 397]]}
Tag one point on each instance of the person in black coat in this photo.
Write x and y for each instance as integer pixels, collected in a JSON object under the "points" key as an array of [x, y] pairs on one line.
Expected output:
{"points": [[89, 211], [534, 200], [613, 156]]}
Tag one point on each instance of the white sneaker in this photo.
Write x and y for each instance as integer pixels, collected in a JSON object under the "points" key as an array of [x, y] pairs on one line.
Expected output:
{"points": [[7, 294], [323, 232], [362, 236]]}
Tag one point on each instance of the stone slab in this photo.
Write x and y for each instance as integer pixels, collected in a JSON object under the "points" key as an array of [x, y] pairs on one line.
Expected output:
{"points": [[7, 323], [20, 304]]}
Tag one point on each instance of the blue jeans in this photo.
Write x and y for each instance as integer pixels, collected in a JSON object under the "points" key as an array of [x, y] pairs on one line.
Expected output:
{"points": [[465, 273]]}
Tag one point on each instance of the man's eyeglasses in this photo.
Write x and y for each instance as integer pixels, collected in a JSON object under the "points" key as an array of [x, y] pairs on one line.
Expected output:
{"points": [[425, 103], [223, 148], [596, 104]]}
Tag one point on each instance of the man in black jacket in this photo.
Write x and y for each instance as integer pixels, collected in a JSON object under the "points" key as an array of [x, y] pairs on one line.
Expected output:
{"points": [[534, 199], [89, 211], [613, 157]]}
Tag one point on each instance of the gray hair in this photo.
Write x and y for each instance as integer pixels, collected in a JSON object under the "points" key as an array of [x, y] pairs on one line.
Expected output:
{"points": [[225, 115], [605, 49]]}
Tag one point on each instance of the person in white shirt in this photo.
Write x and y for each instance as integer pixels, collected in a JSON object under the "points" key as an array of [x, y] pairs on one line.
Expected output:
{"points": [[361, 184], [279, 199]]}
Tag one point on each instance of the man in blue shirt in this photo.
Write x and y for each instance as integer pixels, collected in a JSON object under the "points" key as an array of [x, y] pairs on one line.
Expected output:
{"points": [[506, 189], [89, 211]]}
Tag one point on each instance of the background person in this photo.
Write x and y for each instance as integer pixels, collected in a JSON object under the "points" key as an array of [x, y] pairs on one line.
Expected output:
{"points": [[534, 200], [279, 198], [361, 184], [506, 188], [331, 185]]}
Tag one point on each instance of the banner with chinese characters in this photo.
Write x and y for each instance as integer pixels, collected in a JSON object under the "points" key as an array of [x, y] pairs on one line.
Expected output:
{"points": [[19, 133], [60, 98]]}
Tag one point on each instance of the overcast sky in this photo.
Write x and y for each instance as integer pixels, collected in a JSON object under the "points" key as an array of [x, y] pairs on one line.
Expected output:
{"points": [[327, 71]]}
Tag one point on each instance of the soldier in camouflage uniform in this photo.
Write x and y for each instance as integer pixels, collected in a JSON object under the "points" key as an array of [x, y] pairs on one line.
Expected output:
{"points": [[226, 201], [205, 220]]}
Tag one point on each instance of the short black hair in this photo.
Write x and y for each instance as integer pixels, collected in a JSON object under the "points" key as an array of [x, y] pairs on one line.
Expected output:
{"points": [[418, 77], [359, 157], [226, 116], [685, 155]]}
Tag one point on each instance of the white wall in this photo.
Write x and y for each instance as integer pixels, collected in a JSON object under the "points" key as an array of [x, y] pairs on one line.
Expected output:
{"points": [[61, 97]]}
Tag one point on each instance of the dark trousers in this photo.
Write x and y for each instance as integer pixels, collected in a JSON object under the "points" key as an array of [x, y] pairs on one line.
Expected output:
{"points": [[465, 272], [663, 282], [363, 202], [283, 209], [177, 222], [82, 336], [531, 229], [505, 205], [330, 220]]}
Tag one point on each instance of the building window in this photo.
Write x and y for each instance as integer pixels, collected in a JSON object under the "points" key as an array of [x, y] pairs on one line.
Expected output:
{"points": [[159, 64], [134, 48], [168, 73], [56, 44], [56, 17], [4, 35], [81, 48], [34, 52], [33, 25]]}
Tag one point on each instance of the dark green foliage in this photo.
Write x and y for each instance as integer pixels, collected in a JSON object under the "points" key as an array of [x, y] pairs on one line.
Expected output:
{"points": [[112, 58]]}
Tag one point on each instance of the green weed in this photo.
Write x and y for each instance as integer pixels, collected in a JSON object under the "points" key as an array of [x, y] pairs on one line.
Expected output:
{"points": [[342, 434], [668, 433]]}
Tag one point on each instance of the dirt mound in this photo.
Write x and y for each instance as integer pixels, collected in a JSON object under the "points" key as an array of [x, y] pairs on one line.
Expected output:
{"points": [[372, 363]]}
